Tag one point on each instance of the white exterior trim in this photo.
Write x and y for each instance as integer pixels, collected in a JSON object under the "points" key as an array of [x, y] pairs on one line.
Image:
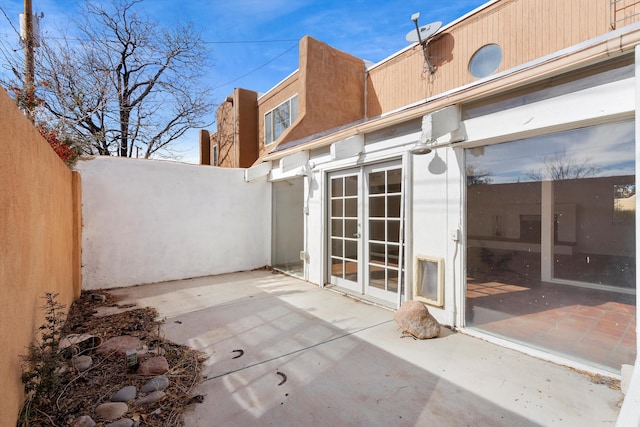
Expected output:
{"points": [[615, 101]]}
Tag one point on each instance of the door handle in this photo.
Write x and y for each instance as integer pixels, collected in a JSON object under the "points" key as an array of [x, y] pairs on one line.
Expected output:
{"points": [[357, 235]]}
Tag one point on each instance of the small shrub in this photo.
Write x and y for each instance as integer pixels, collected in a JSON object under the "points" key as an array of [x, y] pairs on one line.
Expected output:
{"points": [[44, 357]]}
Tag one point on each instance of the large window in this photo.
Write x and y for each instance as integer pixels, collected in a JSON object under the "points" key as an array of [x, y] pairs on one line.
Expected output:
{"points": [[551, 257], [280, 118]]}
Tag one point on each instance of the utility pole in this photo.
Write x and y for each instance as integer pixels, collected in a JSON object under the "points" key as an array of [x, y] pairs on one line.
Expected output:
{"points": [[29, 89]]}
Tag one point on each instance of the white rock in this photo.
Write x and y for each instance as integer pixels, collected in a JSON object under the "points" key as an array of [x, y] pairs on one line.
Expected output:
{"points": [[82, 363], [111, 410]]}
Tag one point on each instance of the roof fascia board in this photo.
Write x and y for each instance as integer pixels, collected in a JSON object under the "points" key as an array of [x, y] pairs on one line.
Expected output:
{"points": [[274, 88]]}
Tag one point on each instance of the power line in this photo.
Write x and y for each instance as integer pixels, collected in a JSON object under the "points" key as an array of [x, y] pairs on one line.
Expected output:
{"points": [[204, 42], [256, 69], [79, 39], [250, 41], [10, 21]]}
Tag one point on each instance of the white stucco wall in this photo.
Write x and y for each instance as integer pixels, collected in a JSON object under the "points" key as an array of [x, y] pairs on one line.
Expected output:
{"points": [[436, 218], [148, 221]]}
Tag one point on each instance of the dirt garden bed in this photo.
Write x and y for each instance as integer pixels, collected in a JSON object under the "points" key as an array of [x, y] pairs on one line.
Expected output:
{"points": [[76, 393]]}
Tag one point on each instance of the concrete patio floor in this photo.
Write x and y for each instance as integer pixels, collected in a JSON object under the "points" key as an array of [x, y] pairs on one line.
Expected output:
{"points": [[315, 357]]}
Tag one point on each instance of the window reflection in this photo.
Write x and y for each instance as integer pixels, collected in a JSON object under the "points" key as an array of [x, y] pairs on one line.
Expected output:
{"points": [[551, 232], [624, 202]]}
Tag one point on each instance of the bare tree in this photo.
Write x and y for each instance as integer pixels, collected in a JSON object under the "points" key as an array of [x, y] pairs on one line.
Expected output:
{"points": [[77, 96], [477, 176], [559, 166], [122, 83]]}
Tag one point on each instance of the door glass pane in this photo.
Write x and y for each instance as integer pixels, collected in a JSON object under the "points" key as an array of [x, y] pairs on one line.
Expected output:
{"points": [[377, 206], [337, 267], [393, 230], [393, 252], [392, 281], [336, 228], [336, 187], [336, 208], [351, 271], [351, 186], [351, 228], [377, 277], [394, 178], [336, 247], [377, 253], [351, 207], [351, 249], [377, 182], [376, 230], [550, 254], [393, 206]]}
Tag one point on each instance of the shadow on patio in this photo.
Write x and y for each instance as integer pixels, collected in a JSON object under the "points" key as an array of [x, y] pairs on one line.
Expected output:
{"points": [[310, 356]]}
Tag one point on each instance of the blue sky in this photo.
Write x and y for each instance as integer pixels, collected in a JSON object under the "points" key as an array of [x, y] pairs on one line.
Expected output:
{"points": [[254, 43]]}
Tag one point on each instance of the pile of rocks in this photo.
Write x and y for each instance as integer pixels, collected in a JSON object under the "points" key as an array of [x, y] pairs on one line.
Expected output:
{"points": [[151, 363]]}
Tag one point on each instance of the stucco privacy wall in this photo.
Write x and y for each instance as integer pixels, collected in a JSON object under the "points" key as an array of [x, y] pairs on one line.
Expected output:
{"points": [[39, 214], [148, 221]]}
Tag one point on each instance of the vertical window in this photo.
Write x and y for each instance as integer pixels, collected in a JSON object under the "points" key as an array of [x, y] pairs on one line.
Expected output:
{"points": [[215, 155], [268, 128], [280, 118]]}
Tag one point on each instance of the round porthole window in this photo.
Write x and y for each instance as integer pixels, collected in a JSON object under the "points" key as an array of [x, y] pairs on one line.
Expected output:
{"points": [[485, 61]]}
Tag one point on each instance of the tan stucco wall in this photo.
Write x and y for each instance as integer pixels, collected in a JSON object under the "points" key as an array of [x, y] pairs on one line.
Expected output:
{"points": [[525, 30], [276, 96], [333, 90], [239, 150], [223, 137], [247, 117], [39, 235]]}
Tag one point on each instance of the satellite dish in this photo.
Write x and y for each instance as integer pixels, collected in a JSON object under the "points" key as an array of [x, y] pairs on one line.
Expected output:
{"points": [[426, 31]]}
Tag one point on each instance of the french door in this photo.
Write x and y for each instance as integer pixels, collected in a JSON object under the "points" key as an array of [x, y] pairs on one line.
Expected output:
{"points": [[365, 230]]}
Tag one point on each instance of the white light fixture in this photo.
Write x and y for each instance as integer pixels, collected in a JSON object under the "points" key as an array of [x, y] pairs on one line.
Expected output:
{"points": [[435, 125]]}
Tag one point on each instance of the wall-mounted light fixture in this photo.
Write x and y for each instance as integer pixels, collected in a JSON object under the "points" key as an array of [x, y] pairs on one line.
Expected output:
{"points": [[435, 125]]}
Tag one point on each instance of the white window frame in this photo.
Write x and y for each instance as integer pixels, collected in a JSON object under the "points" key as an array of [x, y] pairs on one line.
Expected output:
{"points": [[270, 135]]}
